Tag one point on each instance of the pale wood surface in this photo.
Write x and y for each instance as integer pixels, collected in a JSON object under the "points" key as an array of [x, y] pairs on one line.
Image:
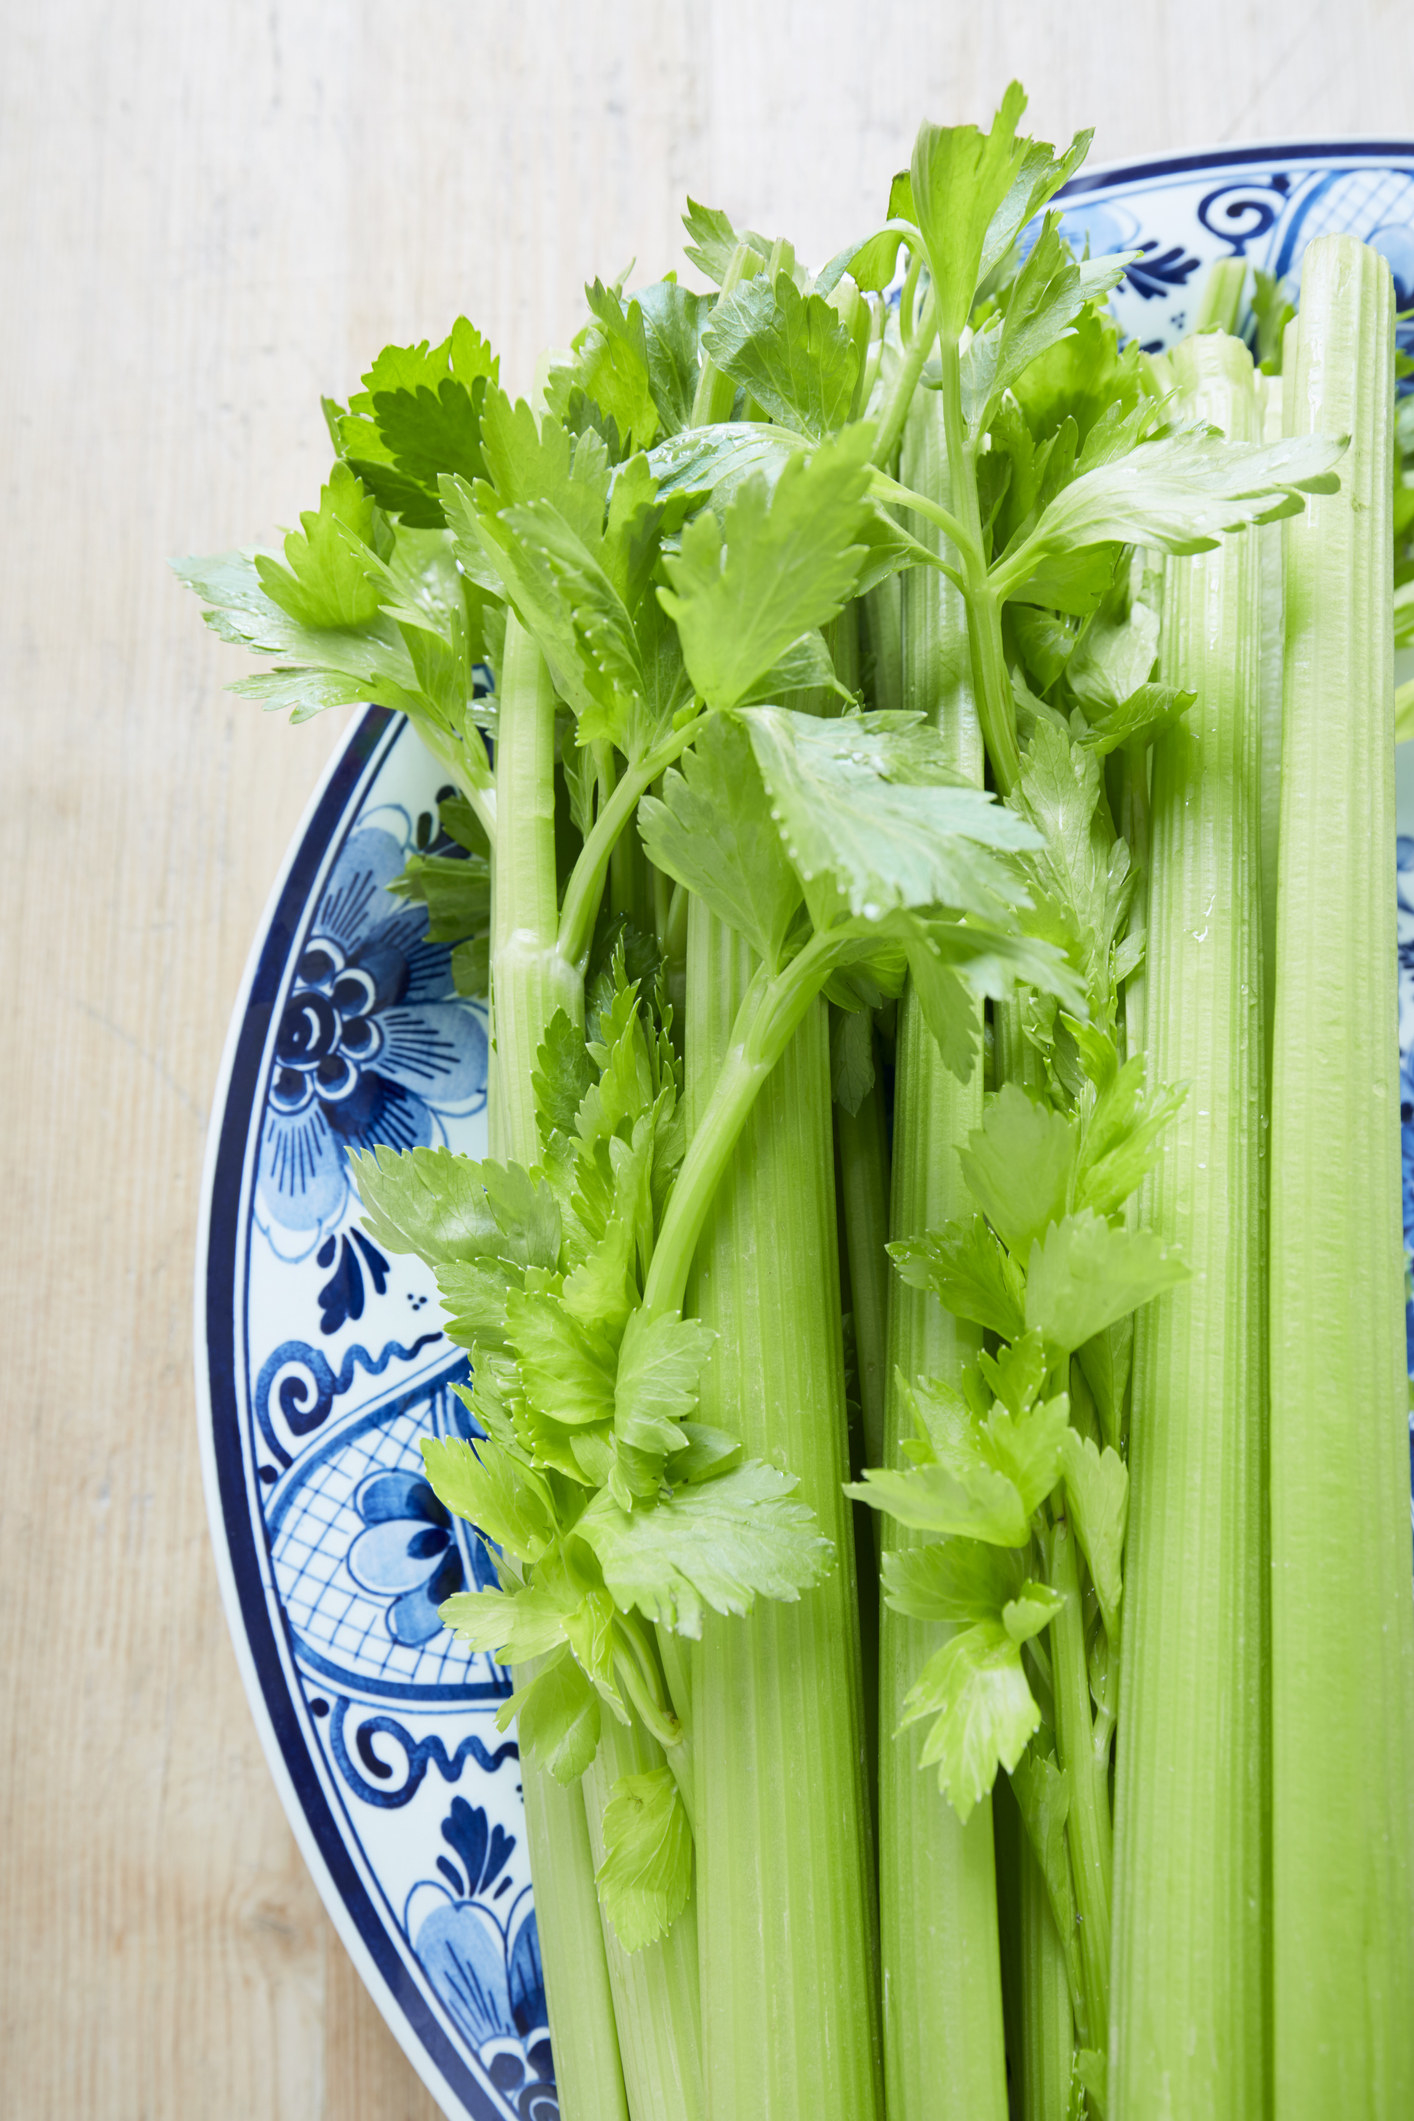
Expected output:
{"points": [[207, 215]]}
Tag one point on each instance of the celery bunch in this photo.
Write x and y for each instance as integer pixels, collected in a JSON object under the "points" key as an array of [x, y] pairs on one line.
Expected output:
{"points": [[849, 687]]}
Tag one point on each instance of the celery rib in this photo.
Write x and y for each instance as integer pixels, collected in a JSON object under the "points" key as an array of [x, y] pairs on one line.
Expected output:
{"points": [[944, 2046], [1342, 1619], [1188, 2012], [656, 1990], [785, 1884]]}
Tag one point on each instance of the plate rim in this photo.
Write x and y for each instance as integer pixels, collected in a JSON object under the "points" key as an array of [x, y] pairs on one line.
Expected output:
{"points": [[354, 760]]}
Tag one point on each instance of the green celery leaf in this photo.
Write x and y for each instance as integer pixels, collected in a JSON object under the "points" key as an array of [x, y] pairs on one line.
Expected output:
{"points": [[1146, 712], [967, 1270], [1121, 1140], [529, 460], [851, 1058], [717, 461], [563, 1074], [1115, 654], [1084, 1274], [706, 1453], [507, 1501], [806, 664], [1179, 492], [567, 1369], [612, 366], [417, 417], [1019, 1166], [645, 1880], [1047, 295], [1016, 1373], [1097, 1500], [1104, 1363], [977, 1693], [955, 1580], [1027, 1448], [974, 192], [1043, 1794], [558, 1720], [871, 264], [511, 1627], [302, 693], [713, 240], [1034, 1607], [964, 1498], [788, 351], [717, 1545], [673, 321], [783, 562], [1082, 873], [474, 1294], [660, 1362], [471, 968], [949, 1009], [329, 578], [428, 1201], [455, 891], [713, 832], [868, 805]]}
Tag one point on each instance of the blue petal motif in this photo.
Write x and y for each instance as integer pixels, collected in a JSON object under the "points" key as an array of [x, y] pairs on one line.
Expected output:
{"points": [[372, 1047], [462, 1949]]}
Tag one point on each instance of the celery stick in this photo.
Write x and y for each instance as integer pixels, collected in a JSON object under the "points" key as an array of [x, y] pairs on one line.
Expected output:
{"points": [[864, 1187], [1342, 1620], [529, 982], [944, 2050], [1040, 2027], [588, 2072], [1189, 2015], [1220, 296], [1269, 694], [655, 1989], [784, 1883]]}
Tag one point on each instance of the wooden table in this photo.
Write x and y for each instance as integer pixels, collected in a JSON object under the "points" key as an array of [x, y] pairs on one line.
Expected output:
{"points": [[210, 215]]}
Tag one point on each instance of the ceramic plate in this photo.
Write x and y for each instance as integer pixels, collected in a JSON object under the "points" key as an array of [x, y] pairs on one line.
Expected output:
{"points": [[322, 1361]]}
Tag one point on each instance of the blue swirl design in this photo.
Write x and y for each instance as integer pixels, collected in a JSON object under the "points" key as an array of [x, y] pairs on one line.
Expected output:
{"points": [[418, 1755], [305, 1401]]}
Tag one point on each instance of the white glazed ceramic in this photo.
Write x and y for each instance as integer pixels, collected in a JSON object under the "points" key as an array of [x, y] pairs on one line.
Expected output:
{"points": [[321, 1361]]}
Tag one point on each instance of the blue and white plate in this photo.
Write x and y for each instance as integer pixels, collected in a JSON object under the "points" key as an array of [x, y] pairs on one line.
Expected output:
{"points": [[321, 1361]]}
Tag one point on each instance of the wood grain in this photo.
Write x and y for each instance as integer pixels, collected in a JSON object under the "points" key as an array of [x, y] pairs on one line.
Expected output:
{"points": [[207, 216]]}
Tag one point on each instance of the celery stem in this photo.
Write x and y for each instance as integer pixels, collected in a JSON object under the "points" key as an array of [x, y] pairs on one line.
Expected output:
{"points": [[1088, 1826], [1342, 1617]]}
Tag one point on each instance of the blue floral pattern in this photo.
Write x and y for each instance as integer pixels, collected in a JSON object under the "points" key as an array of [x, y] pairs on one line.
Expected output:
{"points": [[372, 1046], [409, 1555], [485, 1964]]}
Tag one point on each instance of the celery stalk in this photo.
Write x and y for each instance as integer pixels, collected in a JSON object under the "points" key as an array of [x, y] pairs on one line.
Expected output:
{"points": [[1269, 693], [864, 1188], [1342, 1620], [1189, 2009], [529, 982], [655, 1990], [944, 2050], [784, 1880], [1040, 2026]]}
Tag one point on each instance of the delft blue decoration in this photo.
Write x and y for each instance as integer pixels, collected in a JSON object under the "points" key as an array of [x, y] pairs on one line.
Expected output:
{"points": [[372, 1048], [327, 1362]]}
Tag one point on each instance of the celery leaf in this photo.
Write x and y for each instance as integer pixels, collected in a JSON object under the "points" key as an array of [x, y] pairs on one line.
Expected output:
{"points": [[645, 1879], [789, 351], [1097, 1499], [558, 1720], [1019, 1166], [507, 1500], [1085, 1274], [967, 1270], [983, 1709], [719, 1545], [713, 832], [660, 1362], [784, 561]]}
